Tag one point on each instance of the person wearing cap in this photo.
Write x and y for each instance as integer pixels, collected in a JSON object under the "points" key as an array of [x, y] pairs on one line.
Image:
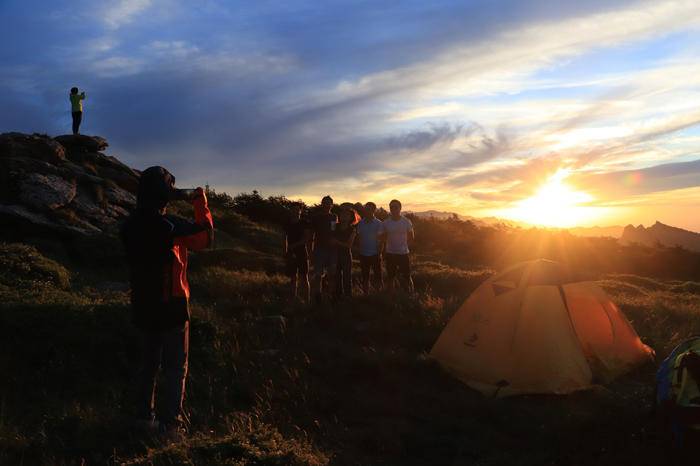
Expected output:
{"points": [[156, 246], [398, 230], [370, 230], [325, 253], [76, 108], [344, 237]]}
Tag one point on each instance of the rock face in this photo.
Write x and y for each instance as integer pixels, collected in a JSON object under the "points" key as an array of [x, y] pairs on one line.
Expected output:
{"points": [[661, 234], [63, 185]]}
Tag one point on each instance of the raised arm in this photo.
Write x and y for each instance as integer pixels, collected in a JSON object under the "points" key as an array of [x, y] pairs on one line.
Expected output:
{"points": [[201, 232]]}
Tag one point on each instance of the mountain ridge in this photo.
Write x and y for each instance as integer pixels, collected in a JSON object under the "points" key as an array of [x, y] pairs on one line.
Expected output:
{"points": [[661, 234]]}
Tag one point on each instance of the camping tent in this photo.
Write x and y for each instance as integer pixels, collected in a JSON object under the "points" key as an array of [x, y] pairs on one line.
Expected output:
{"points": [[531, 330]]}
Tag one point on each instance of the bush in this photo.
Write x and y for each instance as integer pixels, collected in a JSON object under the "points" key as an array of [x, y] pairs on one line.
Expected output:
{"points": [[22, 265]]}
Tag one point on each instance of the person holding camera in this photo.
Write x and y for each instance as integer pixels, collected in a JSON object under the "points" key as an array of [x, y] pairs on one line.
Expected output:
{"points": [[76, 104], [156, 246]]}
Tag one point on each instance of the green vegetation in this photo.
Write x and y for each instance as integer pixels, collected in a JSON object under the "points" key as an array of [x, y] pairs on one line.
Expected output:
{"points": [[279, 383]]}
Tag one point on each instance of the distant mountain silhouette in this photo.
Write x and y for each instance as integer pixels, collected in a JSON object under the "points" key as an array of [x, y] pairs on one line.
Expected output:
{"points": [[479, 221], [661, 234], [614, 231]]}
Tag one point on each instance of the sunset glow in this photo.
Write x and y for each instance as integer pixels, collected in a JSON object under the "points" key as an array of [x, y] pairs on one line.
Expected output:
{"points": [[447, 106], [555, 204]]}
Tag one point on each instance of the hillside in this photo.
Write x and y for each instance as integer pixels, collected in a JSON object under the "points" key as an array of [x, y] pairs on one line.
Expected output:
{"points": [[280, 383]]}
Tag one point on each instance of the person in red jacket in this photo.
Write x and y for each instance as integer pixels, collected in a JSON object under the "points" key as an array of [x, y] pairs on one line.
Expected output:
{"points": [[156, 247]]}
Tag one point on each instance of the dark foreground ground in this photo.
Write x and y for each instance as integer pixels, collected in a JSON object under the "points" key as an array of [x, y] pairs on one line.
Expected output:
{"points": [[348, 384]]}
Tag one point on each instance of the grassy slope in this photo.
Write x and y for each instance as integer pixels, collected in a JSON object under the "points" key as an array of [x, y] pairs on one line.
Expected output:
{"points": [[345, 385]]}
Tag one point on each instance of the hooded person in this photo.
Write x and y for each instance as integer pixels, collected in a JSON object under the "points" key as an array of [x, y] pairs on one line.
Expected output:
{"points": [[156, 246]]}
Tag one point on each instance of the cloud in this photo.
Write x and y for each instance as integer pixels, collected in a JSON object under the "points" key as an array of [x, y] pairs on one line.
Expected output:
{"points": [[121, 12], [501, 64], [462, 104], [618, 184], [434, 134]]}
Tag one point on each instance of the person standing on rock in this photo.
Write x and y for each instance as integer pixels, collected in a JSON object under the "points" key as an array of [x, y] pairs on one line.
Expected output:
{"points": [[76, 108], [156, 247]]}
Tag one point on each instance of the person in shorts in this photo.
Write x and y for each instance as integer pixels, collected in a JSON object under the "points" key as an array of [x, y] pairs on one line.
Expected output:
{"points": [[398, 230], [296, 239], [325, 252], [370, 230]]}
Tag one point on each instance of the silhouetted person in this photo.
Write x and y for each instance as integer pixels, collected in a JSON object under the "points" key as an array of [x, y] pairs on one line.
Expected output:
{"points": [[76, 108], [296, 239], [370, 230], [344, 236], [156, 250], [325, 255], [397, 232]]}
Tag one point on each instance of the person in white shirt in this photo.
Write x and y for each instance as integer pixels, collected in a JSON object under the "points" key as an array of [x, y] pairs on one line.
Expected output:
{"points": [[398, 230], [370, 230]]}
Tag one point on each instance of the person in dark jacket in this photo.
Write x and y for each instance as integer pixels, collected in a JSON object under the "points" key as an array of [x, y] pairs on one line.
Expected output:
{"points": [[344, 237], [297, 236], [156, 247], [325, 253]]}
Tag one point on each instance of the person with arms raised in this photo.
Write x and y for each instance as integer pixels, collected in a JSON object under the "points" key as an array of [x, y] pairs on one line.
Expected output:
{"points": [[156, 246], [76, 108]]}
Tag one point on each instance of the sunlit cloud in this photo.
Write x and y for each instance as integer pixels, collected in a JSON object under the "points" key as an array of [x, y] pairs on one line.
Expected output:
{"points": [[468, 112]]}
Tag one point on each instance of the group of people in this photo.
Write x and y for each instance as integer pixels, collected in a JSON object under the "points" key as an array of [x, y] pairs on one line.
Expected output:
{"points": [[157, 245], [326, 239]]}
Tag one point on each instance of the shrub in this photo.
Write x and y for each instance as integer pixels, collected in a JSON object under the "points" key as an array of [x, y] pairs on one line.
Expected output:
{"points": [[22, 265]]}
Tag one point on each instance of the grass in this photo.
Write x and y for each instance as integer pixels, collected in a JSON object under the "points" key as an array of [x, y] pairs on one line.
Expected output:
{"points": [[275, 382], [23, 265]]}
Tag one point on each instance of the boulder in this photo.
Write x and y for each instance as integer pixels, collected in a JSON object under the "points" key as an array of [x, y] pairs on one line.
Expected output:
{"points": [[43, 192], [76, 143], [120, 197], [35, 146], [17, 217], [46, 188]]}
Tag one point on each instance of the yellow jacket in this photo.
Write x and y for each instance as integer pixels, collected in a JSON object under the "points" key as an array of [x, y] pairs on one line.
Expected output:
{"points": [[76, 102]]}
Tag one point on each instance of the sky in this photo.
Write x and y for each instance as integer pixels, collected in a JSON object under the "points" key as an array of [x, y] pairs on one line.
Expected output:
{"points": [[551, 112]]}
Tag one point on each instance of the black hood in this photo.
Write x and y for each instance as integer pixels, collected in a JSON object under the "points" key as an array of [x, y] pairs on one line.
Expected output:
{"points": [[155, 188]]}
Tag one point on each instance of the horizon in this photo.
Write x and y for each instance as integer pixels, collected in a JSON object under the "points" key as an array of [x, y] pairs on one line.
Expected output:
{"points": [[558, 114]]}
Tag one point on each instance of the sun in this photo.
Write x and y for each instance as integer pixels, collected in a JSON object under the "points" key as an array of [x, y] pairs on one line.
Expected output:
{"points": [[555, 204]]}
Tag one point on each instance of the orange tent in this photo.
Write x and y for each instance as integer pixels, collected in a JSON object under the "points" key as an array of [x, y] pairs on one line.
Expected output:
{"points": [[530, 330]]}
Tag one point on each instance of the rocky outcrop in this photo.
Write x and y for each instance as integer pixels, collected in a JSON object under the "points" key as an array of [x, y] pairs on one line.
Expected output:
{"points": [[63, 185], [660, 234]]}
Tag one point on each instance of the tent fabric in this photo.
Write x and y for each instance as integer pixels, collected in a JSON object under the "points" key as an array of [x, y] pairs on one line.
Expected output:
{"points": [[529, 330]]}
